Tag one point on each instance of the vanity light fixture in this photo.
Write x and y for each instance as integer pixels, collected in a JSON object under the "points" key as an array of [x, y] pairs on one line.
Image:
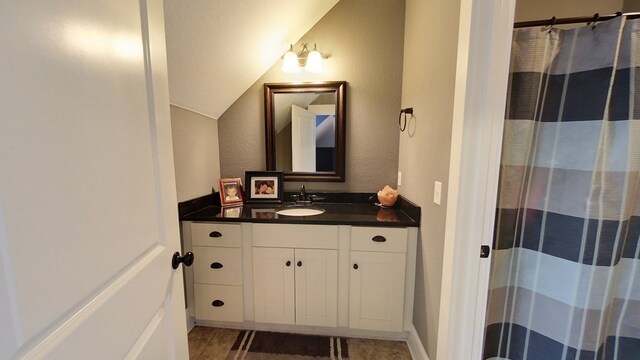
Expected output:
{"points": [[311, 61]]}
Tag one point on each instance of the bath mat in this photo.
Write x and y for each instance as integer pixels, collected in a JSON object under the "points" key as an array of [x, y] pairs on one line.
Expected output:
{"points": [[264, 345]]}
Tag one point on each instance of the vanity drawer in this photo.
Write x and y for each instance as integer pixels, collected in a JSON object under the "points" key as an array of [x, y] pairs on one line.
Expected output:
{"points": [[295, 236], [379, 239], [215, 234], [217, 265], [219, 302]]}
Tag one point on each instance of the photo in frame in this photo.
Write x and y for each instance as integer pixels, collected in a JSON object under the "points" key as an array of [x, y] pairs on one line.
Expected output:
{"points": [[230, 191], [264, 186]]}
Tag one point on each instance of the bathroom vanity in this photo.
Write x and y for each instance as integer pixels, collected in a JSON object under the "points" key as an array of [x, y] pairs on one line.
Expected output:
{"points": [[349, 271]]}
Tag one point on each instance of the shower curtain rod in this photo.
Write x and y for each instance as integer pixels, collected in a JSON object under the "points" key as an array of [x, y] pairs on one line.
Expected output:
{"points": [[574, 20]]}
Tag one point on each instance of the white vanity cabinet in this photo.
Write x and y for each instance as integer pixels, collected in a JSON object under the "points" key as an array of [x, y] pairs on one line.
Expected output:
{"points": [[341, 280], [377, 278], [295, 274], [217, 271]]}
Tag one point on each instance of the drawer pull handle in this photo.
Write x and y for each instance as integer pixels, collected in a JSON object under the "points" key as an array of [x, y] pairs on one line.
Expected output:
{"points": [[355, 266], [299, 263], [217, 303], [215, 234], [216, 265], [288, 263], [379, 238]]}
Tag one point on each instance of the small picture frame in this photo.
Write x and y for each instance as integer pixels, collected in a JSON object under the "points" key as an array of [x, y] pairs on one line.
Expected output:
{"points": [[264, 186], [230, 191]]}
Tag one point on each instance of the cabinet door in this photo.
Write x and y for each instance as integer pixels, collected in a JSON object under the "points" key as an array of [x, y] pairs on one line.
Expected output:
{"points": [[376, 294], [316, 287], [273, 282]]}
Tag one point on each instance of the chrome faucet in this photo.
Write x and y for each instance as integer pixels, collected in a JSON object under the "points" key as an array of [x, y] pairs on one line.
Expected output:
{"points": [[303, 198], [303, 194]]}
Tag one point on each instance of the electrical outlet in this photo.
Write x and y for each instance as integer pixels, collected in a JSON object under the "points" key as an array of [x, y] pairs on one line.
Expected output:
{"points": [[437, 192]]}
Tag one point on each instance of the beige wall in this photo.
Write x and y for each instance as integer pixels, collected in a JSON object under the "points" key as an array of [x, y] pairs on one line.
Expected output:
{"points": [[364, 39], [428, 86], [195, 152], [545, 9], [631, 6]]}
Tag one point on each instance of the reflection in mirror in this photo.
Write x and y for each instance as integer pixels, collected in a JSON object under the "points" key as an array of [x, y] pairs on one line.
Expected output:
{"points": [[312, 118], [305, 130]]}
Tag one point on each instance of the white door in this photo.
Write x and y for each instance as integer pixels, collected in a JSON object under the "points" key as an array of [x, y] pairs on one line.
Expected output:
{"points": [[303, 139], [273, 282], [376, 290], [316, 287], [88, 220]]}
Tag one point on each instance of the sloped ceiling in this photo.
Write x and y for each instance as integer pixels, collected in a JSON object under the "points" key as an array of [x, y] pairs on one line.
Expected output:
{"points": [[216, 49]]}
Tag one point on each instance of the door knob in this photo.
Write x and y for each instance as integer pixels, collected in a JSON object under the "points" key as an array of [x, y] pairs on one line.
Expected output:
{"points": [[187, 259]]}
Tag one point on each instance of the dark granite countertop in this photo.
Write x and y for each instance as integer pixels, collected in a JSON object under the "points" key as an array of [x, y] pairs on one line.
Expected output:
{"points": [[340, 209]]}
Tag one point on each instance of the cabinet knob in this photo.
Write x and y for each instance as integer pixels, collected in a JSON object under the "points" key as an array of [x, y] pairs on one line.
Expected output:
{"points": [[215, 234], [355, 266], [217, 303], [288, 263], [299, 263], [379, 238], [216, 265]]}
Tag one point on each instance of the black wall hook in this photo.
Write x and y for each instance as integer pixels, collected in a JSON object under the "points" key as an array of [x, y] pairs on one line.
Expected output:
{"points": [[403, 124]]}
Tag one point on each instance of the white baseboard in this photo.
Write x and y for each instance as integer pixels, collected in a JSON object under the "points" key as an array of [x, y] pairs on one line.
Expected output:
{"points": [[415, 345]]}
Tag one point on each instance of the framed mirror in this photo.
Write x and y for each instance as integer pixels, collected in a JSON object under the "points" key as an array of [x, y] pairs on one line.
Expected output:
{"points": [[305, 130]]}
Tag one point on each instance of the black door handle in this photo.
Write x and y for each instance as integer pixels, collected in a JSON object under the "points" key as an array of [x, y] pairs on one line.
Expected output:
{"points": [[217, 303], [355, 266], [215, 234], [187, 259], [379, 238], [288, 263], [216, 265], [299, 263]]}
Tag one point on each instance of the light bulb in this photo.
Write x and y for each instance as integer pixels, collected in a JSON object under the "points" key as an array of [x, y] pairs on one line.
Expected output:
{"points": [[290, 62], [314, 61]]}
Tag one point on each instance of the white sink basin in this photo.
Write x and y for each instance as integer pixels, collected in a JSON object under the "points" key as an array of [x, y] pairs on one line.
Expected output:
{"points": [[300, 211]]}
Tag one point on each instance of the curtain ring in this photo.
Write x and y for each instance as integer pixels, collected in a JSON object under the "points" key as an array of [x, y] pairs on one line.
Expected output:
{"points": [[595, 18], [552, 23]]}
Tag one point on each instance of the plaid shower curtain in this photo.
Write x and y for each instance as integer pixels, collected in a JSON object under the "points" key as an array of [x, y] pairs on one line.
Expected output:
{"points": [[565, 278]]}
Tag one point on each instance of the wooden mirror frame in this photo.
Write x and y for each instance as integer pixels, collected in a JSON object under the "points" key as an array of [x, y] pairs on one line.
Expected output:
{"points": [[337, 87]]}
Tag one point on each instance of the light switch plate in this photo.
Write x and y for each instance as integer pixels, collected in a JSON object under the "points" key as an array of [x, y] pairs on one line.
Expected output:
{"points": [[399, 178], [437, 192]]}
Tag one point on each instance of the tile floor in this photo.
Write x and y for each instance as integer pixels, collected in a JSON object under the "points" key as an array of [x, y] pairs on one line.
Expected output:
{"points": [[206, 343]]}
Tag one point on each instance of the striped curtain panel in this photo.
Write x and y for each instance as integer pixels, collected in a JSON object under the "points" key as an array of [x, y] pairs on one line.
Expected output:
{"points": [[565, 276]]}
